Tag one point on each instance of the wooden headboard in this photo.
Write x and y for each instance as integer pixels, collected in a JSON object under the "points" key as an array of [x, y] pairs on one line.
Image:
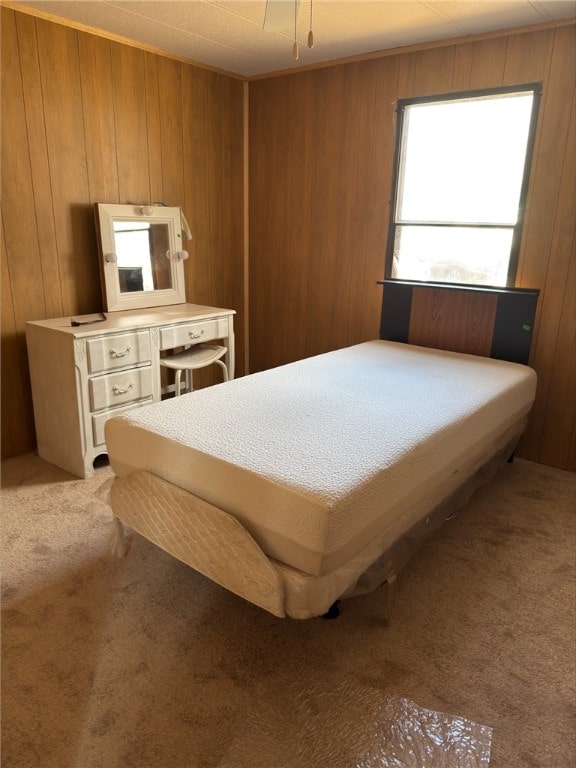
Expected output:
{"points": [[492, 322]]}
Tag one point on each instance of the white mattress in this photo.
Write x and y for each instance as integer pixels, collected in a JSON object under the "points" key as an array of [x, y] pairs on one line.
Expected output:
{"points": [[319, 457]]}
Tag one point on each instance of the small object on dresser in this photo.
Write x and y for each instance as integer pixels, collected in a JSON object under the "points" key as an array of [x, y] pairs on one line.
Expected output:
{"points": [[97, 317]]}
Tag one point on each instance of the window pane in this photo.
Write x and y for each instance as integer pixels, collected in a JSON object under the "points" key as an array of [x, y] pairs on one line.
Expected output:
{"points": [[452, 254], [463, 161]]}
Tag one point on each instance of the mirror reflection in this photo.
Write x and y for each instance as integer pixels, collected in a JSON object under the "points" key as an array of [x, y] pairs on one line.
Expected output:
{"points": [[141, 255], [141, 248]]}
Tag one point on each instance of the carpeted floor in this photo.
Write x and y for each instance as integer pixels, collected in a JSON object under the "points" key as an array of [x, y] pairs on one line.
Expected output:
{"points": [[143, 663]]}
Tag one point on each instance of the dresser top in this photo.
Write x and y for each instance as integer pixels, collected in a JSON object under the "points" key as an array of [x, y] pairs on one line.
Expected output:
{"points": [[131, 319]]}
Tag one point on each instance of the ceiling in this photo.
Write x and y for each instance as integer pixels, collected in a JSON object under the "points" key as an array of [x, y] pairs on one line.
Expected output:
{"points": [[230, 34]]}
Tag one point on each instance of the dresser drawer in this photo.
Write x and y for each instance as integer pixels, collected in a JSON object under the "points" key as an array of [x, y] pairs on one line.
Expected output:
{"points": [[118, 388], [118, 351], [192, 333], [99, 419]]}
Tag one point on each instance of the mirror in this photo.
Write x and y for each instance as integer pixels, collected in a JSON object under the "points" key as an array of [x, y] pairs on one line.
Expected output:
{"points": [[141, 255]]}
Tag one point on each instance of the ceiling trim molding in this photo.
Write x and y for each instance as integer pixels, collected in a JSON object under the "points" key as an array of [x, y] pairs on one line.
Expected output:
{"points": [[417, 47], [15, 6]]}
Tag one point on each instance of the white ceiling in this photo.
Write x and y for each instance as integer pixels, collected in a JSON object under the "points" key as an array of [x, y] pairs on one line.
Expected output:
{"points": [[230, 34]]}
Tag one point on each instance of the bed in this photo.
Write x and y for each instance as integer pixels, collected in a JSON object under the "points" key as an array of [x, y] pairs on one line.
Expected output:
{"points": [[317, 480]]}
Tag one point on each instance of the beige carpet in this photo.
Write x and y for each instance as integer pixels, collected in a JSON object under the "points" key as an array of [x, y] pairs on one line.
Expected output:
{"points": [[143, 663]]}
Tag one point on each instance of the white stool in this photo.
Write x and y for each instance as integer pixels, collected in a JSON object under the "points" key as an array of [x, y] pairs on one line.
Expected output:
{"points": [[198, 356]]}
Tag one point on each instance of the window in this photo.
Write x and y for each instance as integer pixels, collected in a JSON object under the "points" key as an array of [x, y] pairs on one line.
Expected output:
{"points": [[460, 181]]}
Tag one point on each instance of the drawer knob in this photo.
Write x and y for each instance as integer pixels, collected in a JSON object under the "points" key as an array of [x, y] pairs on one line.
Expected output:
{"points": [[196, 334], [122, 390], [114, 353]]}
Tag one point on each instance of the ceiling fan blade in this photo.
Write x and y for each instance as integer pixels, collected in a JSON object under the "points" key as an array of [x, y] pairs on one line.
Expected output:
{"points": [[279, 15]]}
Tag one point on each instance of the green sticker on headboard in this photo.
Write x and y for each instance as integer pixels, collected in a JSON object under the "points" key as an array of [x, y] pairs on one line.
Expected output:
{"points": [[525, 327]]}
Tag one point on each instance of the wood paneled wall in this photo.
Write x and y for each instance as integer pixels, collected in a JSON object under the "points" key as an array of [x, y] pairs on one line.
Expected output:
{"points": [[86, 120], [321, 154]]}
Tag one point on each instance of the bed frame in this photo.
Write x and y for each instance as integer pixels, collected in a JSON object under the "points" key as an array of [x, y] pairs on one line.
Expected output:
{"points": [[491, 322]]}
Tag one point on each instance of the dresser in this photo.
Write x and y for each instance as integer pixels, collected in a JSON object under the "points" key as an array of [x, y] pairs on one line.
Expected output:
{"points": [[84, 374]]}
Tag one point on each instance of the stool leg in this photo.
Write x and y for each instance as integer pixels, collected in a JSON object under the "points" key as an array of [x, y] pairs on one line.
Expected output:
{"points": [[177, 382], [224, 369]]}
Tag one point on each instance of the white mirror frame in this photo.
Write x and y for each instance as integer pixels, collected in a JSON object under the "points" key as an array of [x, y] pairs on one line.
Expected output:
{"points": [[114, 299]]}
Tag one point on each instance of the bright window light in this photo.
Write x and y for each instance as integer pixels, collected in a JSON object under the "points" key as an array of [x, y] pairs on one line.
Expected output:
{"points": [[460, 185]]}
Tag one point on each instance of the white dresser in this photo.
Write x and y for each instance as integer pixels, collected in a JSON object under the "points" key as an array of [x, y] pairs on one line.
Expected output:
{"points": [[82, 375]]}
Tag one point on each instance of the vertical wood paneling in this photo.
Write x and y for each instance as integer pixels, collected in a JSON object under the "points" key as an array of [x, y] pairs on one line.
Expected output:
{"points": [[87, 120], [213, 187], [132, 81], [17, 420], [224, 185], [342, 241], [39, 164], [22, 276], [260, 230], [169, 149], [212, 156], [550, 357], [462, 71], [195, 98], [154, 133], [434, 71], [370, 173], [21, 231], [295, 332], [549, 229], [302, 202], [406, 65], [62, 100], [91, 119], [372, 209], [557, 435], [348, 152], [549, 159], [232, 175], [274, 171], [528, 57], [488, 62], [327, 206], [98, 113]]}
